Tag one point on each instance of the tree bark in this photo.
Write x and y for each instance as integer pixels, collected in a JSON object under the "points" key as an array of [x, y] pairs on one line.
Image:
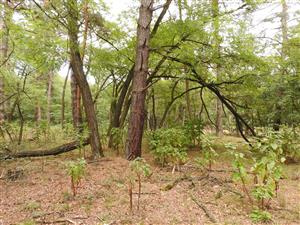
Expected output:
{"points": [[284, 31], [38, 113], [139, 84], [49, 96], [47, 152], [63, 100], [4, 19], [76, 103], [77, 67], [217, 40], [117, 117]]}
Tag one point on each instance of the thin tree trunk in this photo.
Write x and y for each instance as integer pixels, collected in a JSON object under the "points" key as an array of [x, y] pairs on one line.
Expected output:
{"points": [[188, 100], [153, 120], [38, 113], [49, 96], [77, 67], [63, 100], [21, 124], [217, 41], [137, 113]]}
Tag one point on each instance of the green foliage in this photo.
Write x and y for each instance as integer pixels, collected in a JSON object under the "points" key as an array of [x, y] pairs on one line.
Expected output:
{"points": [[117, 138], [258, 215], [42, 130], [290, 138], [266, 169], [193, 130], [209, 154], [140, 167], [168, 145], [27, 222], [76, 170], [240, 172]]}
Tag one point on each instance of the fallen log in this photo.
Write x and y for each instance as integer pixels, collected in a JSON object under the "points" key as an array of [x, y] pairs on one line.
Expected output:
{"points": [[53, 151]]}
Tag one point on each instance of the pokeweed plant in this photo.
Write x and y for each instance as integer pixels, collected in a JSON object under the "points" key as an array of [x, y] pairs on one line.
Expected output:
{"points": [[139, 168], [76, 170], [266, 169]]}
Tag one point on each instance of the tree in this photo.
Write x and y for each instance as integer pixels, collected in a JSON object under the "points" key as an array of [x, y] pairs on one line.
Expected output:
{"points": [[284, 31], [217, 42], [77, 67], [4, 32], [139, 83]]}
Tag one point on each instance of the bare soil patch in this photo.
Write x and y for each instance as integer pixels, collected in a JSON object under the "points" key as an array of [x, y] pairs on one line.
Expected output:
{"points": [[41, 193]]}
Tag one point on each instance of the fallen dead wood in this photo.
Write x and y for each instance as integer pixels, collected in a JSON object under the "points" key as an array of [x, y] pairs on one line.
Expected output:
{"points": [[180, 179], [53, 151], [203, 207], [64, 221]]}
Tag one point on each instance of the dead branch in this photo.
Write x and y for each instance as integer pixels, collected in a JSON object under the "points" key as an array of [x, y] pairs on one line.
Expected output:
{"points": [[203, 207]]}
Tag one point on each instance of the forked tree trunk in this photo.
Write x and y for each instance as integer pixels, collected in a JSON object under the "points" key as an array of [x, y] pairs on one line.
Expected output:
{"points": [[77, 67], [217, 41], [118, 116], [137, 113]]}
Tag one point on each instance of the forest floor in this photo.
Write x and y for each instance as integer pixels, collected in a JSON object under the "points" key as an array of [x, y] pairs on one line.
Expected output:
{"points": [[41, 194]]}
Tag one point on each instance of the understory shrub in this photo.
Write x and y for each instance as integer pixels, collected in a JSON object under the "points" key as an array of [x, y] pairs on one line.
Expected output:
{"points": [[193, 130], [168, 146], [264, 171], [209, 154], [76, 170]]}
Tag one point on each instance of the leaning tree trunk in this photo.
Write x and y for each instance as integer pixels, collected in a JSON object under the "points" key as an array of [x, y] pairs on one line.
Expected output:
{"points": [[77, 67], [217, 40], [139, 83]]}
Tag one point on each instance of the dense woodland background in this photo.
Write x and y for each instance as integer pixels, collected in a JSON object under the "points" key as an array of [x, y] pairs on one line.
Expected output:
{"points": [[163, 80]]}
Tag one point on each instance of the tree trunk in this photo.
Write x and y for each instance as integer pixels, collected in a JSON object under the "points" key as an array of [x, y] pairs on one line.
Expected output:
{"points": [[188, 100], [217, 42], [117, 118], [38, 113], [76, 103], [4, 19], [137, 113], [77, 67], [153, 119], [47, 152], [284, 30], [49, 96], [63, 100]]}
